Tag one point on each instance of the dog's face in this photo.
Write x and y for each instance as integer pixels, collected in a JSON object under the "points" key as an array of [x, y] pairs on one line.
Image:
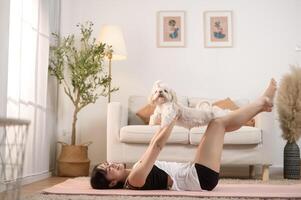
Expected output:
{"points": [[161, 94]]}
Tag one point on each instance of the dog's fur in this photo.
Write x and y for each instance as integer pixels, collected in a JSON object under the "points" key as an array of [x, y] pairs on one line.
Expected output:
{"points": [[167, 108]]}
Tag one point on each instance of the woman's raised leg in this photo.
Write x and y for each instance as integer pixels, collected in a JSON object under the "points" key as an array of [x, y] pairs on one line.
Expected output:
{"points": [[211, 145]]}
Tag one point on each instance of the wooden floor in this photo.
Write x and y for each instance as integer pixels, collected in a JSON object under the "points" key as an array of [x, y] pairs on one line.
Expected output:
{"points": [[40, 185]]}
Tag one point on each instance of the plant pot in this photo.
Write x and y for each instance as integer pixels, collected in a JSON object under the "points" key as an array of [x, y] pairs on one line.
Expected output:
{"points": [[291, 162], [73, 161]]}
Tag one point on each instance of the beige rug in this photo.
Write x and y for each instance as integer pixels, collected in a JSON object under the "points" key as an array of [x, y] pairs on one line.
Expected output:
{"points": [[240, 182]]}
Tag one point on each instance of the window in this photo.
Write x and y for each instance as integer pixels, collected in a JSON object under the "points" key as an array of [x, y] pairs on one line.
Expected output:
{"points": [[27, 73]]}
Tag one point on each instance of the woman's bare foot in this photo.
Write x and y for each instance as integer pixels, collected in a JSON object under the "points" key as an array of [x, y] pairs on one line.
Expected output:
{"points": [[268, 96]]}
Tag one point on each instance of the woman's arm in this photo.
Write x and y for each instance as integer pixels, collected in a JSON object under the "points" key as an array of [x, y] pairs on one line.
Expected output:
{"points": [[139, 174]]}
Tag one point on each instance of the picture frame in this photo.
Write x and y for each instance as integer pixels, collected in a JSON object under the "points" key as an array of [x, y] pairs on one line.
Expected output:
{"points": [[171, 29], [218, 30]]}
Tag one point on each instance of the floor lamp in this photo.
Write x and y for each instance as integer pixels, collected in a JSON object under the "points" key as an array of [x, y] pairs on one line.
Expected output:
{"points": [[112, 36]]}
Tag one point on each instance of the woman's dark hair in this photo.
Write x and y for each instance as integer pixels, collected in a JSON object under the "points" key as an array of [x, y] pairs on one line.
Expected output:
{"points": [[98, 180]]}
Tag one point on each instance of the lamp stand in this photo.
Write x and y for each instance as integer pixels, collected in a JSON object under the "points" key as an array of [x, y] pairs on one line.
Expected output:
{"points": [[110, 66]]}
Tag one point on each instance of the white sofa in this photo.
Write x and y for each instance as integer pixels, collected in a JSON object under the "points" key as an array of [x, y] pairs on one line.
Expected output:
{"points": [[128, 138]]}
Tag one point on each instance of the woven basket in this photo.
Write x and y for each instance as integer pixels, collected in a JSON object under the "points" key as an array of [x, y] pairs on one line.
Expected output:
{"points": [[73, 161]]}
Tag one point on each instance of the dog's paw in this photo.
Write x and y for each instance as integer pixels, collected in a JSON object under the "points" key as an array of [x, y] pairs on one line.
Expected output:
{"points": [[154, 119], [167, 119], [151, 122]]}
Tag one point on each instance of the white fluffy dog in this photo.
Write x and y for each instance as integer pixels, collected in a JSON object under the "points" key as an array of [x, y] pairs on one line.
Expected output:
{"points": [[167, 109]]}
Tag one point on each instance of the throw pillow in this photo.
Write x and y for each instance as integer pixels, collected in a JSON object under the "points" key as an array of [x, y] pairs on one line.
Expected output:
{"points": [[145, 112], [226, 104], [250, 123], [229, 104]]}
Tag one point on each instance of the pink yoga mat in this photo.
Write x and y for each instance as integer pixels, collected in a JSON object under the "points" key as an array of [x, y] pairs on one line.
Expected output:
{"points": [[81, 186]]}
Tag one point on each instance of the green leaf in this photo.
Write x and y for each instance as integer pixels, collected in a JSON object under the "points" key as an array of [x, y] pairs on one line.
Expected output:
{"points": [[80, 66]]}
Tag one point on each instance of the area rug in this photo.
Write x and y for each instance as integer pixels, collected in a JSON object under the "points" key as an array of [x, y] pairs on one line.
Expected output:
{"points": [[81, 186]]}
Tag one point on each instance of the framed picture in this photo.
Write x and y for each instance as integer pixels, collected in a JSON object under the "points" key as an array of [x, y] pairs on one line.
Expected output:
{"points": [[218, 29], [171, 29]]}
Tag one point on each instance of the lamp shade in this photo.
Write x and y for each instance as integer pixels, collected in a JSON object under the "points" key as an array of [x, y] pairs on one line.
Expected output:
{"points": [[112, 35]]}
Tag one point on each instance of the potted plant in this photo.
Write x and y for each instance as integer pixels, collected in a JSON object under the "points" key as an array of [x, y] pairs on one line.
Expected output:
{"points": [[289, 109], [78, 67]]}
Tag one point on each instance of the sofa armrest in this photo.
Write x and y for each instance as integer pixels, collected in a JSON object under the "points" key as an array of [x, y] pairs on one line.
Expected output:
{"points": [[114, 117], [266, 122], [114, 124]]}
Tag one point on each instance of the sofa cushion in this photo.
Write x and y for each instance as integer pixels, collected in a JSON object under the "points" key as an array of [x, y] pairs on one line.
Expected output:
{"points": [[138, 102], [244, 135], [144, 133]]}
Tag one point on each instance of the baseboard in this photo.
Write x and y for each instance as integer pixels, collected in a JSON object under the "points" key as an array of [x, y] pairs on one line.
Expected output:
{"points": [[276, 169], [36, 177], [31, 178]]}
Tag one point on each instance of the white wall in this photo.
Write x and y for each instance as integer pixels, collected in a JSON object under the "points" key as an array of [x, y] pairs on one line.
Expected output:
{"points": [[298, 26], [4, 30], [264, 46]]}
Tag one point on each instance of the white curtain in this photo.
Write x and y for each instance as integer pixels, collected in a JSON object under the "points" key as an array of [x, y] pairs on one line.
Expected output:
{"points": [[4, 24], [52, 95], [28, 75]]}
